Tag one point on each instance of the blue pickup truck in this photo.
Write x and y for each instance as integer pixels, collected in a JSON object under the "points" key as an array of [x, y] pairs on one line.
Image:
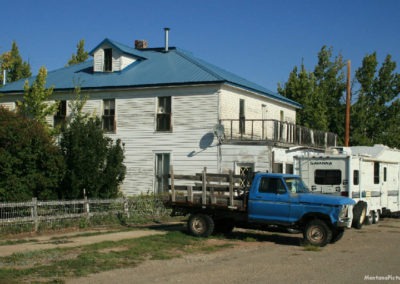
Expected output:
{"points": [[272, 200]]}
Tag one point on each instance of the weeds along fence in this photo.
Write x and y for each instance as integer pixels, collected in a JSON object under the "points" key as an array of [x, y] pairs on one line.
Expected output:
{"points": [[38, 215]]}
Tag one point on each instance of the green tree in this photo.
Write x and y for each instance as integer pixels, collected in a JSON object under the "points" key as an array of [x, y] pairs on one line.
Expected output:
{"points": [[34, 104], [321, 92], [302, 87], [331, 86], [31, 165], [81, 55], [12, 62], [375, 111], [94, 163]]}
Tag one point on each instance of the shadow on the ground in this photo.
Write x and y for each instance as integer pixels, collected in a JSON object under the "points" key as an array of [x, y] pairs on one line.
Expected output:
{"points": [[276, 236]]}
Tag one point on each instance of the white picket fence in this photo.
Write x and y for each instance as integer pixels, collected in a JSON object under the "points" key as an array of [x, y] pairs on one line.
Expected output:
{"points": [[35, 211]]}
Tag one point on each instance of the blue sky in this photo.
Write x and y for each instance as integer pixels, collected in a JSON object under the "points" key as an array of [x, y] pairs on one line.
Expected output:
{"points": [[259, 40]]}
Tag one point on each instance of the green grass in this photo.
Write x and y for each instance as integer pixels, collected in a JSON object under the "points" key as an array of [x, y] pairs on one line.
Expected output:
{"points": [[16, 242], [54, 265], [311, 248]]}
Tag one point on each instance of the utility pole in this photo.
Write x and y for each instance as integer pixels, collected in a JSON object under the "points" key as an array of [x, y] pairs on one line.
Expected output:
{"points": [[348, 95]]}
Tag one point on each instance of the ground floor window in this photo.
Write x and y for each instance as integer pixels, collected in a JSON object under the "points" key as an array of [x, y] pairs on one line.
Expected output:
{"points": [[162, 172]]}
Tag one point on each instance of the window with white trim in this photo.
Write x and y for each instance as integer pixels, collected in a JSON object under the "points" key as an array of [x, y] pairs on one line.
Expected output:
{"points": [[164, 114], [109, 115]]}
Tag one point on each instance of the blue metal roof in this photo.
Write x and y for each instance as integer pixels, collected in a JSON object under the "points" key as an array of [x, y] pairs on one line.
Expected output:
{"points": [[154, 67]]}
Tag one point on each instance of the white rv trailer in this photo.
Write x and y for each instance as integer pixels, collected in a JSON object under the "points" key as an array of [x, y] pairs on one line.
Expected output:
{"points": [[369, 175]]}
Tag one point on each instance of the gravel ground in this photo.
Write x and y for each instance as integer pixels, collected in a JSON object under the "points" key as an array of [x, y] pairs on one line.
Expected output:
{"points": [[369, 254]]}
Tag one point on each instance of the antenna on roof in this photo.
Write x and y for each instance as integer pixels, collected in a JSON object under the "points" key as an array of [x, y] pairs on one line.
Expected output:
{"points": [[166, 38]]}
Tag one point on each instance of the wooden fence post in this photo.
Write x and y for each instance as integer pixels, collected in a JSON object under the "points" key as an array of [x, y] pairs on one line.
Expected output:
{"points": [[35, 214], [126, 208], [86, 207], [190, 194]]}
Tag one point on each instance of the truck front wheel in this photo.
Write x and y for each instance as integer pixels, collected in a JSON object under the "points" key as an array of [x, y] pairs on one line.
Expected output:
{"points": [[317, 233], [200, 225]]}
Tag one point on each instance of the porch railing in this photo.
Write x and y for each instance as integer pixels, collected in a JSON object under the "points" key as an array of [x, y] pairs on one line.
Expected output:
{"points": [[270, 130]]}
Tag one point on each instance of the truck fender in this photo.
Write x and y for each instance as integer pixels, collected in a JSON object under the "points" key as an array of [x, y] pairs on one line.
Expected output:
{"points": [[314, 215]]}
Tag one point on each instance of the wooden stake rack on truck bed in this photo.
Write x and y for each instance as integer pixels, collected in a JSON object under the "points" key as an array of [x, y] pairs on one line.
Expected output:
{"points": [[207, 191]]}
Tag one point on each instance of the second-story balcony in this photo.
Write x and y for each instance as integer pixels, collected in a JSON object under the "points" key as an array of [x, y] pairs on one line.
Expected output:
{"points": [[270, 131]]}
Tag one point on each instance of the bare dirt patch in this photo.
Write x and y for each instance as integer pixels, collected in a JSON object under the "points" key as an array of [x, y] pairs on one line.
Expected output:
{"points": [[273, 257]]}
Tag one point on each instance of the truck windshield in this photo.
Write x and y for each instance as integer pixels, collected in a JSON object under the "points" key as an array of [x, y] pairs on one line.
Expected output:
{"points": [[296, 185]]}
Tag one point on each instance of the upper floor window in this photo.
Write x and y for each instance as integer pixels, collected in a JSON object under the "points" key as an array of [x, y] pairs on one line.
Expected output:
{"points": [[164, 114], [61, 115], [109, 115], [107, 59]]}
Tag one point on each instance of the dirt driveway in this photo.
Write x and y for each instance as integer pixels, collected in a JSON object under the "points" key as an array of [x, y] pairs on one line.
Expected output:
{"points": [[369, 254]]}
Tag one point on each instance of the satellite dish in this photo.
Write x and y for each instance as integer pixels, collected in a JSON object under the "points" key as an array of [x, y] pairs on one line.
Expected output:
{"points": [[219, 132]]}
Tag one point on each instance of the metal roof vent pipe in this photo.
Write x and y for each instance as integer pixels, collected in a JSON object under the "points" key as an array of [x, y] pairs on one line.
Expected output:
{"points": [[166, 39]]}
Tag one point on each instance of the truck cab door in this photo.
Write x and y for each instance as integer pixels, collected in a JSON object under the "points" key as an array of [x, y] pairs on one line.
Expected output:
{"points": [[270, 201]]}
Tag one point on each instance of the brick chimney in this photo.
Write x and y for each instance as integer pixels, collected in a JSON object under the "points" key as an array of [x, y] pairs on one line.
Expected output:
{"points": [[141, 44]]}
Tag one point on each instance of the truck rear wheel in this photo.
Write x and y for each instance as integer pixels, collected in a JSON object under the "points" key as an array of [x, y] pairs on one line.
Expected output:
{"points": [[200, 225], [359, 214], [317, 233]]}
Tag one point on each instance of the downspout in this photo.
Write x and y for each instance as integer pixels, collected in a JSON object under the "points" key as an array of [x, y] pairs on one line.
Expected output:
{"points": [[219, 151]]}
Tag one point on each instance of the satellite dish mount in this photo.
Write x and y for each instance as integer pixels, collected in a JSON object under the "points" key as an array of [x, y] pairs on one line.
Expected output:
{"points": [[219, 132]]}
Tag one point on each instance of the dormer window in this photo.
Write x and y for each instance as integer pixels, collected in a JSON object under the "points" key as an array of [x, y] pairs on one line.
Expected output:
{"points": [[107, 59], [110, 56]]}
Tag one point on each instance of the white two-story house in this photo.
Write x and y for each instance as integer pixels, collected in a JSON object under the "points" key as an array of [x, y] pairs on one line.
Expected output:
{"points": [[171, 108]]}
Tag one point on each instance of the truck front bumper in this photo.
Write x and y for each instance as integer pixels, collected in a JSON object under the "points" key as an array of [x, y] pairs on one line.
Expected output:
{"points": [[344, 223], [345, 217]]}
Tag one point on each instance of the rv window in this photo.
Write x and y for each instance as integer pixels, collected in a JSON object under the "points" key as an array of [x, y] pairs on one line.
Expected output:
{"points": [[384, 174], [355, 177], [376, 173], [328, 177]]}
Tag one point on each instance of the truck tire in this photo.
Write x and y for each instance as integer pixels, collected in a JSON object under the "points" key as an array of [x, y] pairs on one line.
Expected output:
{"points": [[376, 217], [317, 233], [359, 214], [200, 225], [337, 234]]}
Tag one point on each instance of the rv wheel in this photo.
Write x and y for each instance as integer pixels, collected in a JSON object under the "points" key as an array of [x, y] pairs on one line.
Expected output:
{"points": [[375, 217], [369, 218], [359, 214]]}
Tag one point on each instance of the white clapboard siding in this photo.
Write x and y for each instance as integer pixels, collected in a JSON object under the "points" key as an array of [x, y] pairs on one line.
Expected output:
{"points": [[229, 106], [256, 155], [194, 113]]}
